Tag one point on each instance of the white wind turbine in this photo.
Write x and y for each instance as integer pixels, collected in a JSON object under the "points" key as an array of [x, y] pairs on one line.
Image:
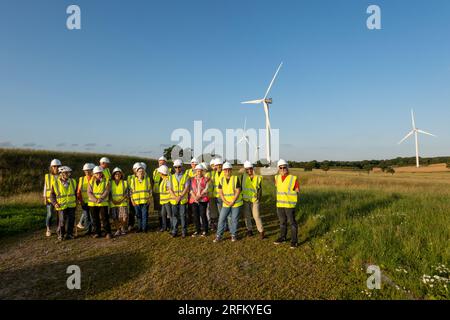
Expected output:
{"points": [[266, 101], [416, 132], [248, 143]]}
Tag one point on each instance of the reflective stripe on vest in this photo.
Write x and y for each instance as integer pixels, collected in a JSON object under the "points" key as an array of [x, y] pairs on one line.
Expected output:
{"points": [[286, 197], [83, 183], [97, 191], [140, 191], [178, 188], [250, 187], [118, 192], [229, 189], [164, 194], [49, 180], [216, 179], [65, 196]]}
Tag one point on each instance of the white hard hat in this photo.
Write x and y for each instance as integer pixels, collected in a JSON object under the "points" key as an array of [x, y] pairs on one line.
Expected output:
{"points": [[104, 160], [136, 165], [248, 165], [194, 160], [162, 159], [227, 165], [178, 163], [282, 162], [143, 165], [205, 165], [55, 162], [64, 169], [163, 169], [117, 169], [212, 162], [199, 167], [218, 161], [98, 169], [88, 166]]}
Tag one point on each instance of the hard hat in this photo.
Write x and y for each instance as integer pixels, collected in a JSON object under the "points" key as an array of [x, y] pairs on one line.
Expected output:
{"points": [[282, 162], [227, 165], [194, 160], [163, 169], [248, 165], [218, 161], [98, 169], [104, 160], [199, 167], [55, 162], [136, 165], [178, 163], [117, 169], [64, 169], [205, 165], [88, 166], [212, 162], [143, 165], [162, 159]]}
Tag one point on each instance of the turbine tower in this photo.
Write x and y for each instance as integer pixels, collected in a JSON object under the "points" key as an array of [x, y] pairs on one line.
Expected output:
{"points": [[266, 102], [416, 132]]}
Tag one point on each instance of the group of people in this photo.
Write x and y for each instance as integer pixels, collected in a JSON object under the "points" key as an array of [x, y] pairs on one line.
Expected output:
{"points": [[209, 195]]}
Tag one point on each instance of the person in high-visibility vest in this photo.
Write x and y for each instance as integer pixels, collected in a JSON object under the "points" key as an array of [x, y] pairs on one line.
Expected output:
{"points": [[64, 199], [190, 173], [230, 192], [119, 202], [105, 163], [287, 194], [215, 202], [49, 179], [178, 184], [83, 199], [164, 198], [140, 193], [155, 180], [98, 193], [131, 212], [251, 194], [199, 200]]}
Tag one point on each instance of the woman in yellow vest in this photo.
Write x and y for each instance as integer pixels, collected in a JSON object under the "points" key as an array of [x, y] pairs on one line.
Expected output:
{"points": [[49, 179], [199, 200], [98, 193], [178, 184], [119, 202], [164, 198], [230, 192], [287, 194], [83, 199], [140, 193], [251, 194], [155, 180], [64, 199]]}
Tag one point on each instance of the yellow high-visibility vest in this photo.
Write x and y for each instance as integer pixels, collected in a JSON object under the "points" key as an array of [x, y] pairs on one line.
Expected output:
{"points": [[98, 190], [164, 194], [65, 196], [209, 175], [83, 183], [178, 188], [216, 180], [106, 173], [156, 180], [118, 192], [140, 190], [49, 180], [286, 196], [229, 189], [250, 187], [190, 173]]}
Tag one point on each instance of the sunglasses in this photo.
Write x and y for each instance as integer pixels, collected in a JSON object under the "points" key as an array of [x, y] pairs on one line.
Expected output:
{"points": [[177, 167], [283, 168]]}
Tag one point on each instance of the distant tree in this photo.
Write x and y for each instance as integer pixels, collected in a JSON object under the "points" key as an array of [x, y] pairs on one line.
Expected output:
{"points": [[325, 167], [390, 170], [309, 166], [168, 152], [448, 165], [367, 168]]}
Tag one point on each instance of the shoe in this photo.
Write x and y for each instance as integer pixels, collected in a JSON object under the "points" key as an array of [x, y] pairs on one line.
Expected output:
{"points": [[279, 241], [123, 232], [161, 230], [96, 236], [130, 228], [138, 231], [48, 233], [294, 245], [173, 235], [195, 234], [80, 226], [261, 235], [233, 238], [204, 234], [217, 239], [249, 233], [68, 237], [109, 236], [183, 235], [118, 233]]}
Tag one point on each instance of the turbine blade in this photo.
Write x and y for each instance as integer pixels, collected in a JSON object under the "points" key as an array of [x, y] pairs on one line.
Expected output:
{"points": [[407, 136], [253, 101], [273, 79], [412, 118], [245, 123], [424, 132]]}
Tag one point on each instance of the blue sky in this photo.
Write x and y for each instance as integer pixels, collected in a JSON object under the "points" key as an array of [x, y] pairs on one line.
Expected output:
{"points": [[137, 70]]}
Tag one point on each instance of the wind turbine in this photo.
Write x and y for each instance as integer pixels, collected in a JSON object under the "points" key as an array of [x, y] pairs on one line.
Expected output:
{"points": [[245, 138], [266, 101], [416, 132]]}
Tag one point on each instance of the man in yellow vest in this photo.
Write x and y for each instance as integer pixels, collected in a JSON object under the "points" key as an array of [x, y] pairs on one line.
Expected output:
{"points": [[119, 202], [64, 199], [155, 180], [178, 185], [140, 193], [215, 202], [98, 193], [251, 193], [287, 194], [132, 213], [230, 192], [83, 199], [104, 163], [164, 198], [49, 179]]}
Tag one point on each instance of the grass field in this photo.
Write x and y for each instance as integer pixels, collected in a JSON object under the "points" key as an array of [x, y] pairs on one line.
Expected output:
{"points": [[347, 221]]}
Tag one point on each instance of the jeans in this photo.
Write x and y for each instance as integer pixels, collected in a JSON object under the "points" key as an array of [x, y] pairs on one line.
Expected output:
{"points": [[50, 213], [284, 215], [225, 213], [100, 216], [179, 213], [66, 222], [86, 219], [141, 211], [199, 212], [165, 211]]}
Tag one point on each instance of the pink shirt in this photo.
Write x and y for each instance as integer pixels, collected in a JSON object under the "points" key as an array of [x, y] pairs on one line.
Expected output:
{"points": [[198, 187]]}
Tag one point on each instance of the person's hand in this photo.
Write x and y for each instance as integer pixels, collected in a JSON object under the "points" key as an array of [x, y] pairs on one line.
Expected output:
{"points": [[178, 199], [57, 206], [133, 203], [45, 201]]}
